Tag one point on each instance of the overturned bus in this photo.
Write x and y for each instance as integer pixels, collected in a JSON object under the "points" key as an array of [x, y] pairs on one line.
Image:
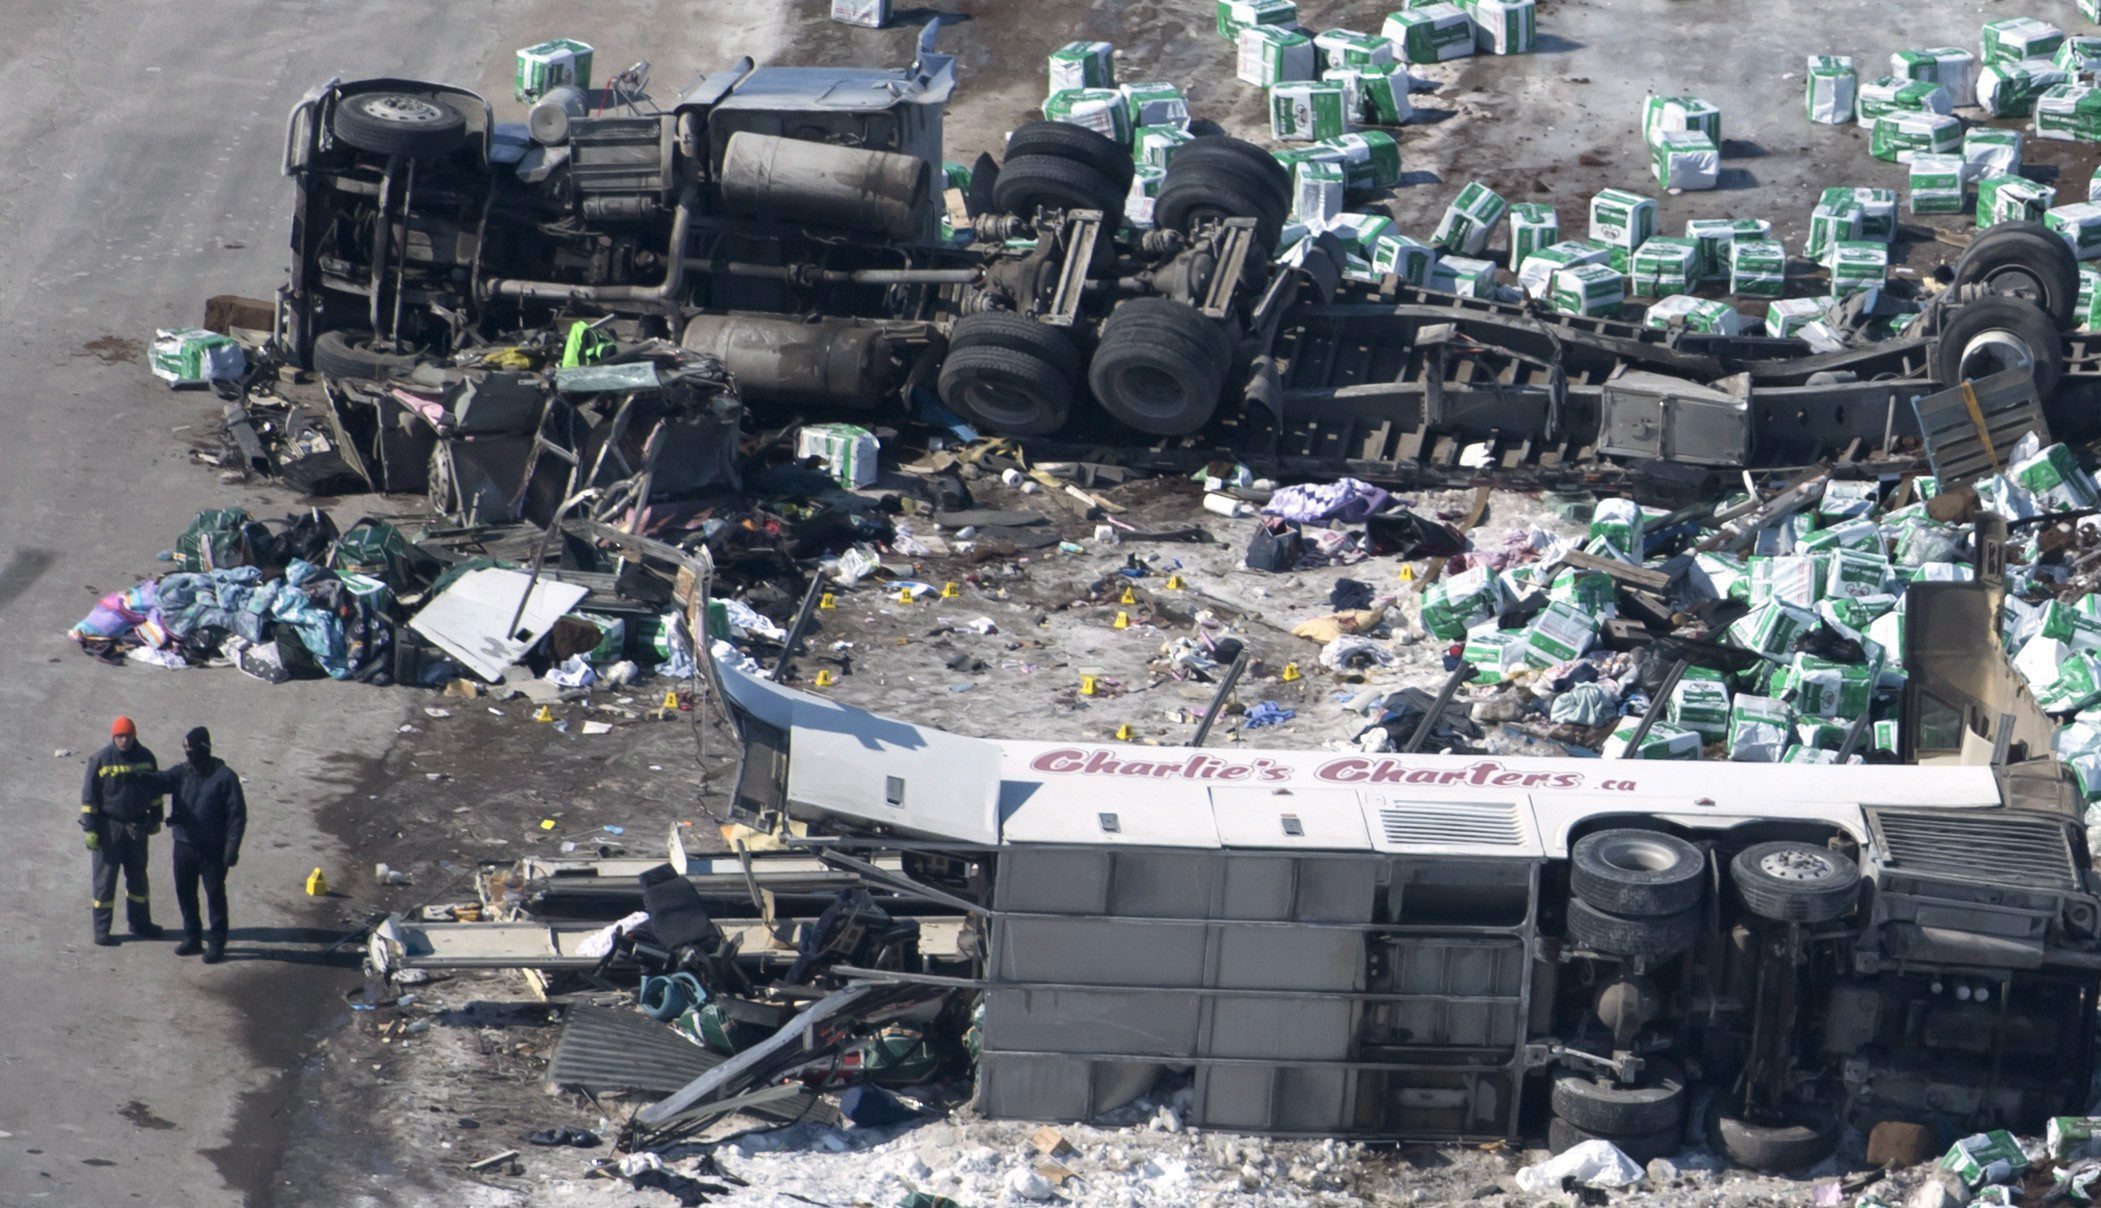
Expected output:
{"points": [[791, 221], [1464, 947]]}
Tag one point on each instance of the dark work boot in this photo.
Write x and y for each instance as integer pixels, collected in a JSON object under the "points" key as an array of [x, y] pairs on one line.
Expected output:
{"points": [[215, 950], [101, 920], [148, 930], [190, 945]]}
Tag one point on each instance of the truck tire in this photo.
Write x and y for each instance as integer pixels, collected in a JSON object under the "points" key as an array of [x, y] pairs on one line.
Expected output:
{"points": [[1201, 190], [2024, 260], [1006, 390], [1076, 143], [1268, 166], [1644, 1147], [1637, 872], [1776, 1148], [1988, 334], [1613, 935], [437, 486], [399, 122], [1005, 329], [1791, 882], [349, 355], [1601, 1105], [1028, 183], [1160, 367]]}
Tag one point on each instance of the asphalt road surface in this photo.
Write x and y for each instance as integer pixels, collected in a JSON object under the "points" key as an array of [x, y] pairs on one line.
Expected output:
{"points": [[142, 142]]}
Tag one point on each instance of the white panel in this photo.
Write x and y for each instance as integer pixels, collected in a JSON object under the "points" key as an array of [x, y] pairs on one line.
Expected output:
{"points": [[937, 784], [1116, 813], [1325, 819], [469, 619], [1488, 828]]}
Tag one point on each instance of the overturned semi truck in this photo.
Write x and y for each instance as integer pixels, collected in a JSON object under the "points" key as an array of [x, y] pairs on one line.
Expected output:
{"points": [[1451, 946], [789, 220]]}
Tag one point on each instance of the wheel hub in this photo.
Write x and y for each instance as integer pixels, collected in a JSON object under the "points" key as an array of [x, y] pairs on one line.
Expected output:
{"points": [[402, 108], [1798, 865], [1995, 352], [1149, 388], [1637, 855], [2015, 281]]}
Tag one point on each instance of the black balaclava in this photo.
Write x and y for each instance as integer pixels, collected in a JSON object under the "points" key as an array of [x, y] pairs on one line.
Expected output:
{"points": [[198, 743]]}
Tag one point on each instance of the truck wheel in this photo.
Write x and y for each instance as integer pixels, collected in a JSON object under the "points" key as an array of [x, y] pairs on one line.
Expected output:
{"points": [[1986, 335], [1637, 872], [1076, 143], [1005, 329], [2025, 260], [1612, 935], [1795, 882], [1028, 183], [1266, 166], [392, 122], [349, 355], [437, 486], [1006, 390], [1776, 1148], [1643, 1147], [1601, 1105], [1160, 366], [1203, 189]]}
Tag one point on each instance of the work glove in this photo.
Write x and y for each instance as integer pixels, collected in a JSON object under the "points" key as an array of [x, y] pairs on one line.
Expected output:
{"points": [[94, 841], [232, 858]]}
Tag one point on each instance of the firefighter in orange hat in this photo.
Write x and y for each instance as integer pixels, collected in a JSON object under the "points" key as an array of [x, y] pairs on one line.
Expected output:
{"points": [[120, 805]]}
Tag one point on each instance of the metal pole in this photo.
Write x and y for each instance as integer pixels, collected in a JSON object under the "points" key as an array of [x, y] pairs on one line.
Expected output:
{"points": [[1218, 699], [818, 582], [1656, 703], [1460, 674]]}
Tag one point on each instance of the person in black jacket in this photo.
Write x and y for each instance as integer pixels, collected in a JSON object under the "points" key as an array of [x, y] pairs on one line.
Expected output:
{"points": [[209, 818], [119, 806]]}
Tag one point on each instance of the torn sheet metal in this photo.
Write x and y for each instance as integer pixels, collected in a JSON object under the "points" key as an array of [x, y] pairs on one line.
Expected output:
{"points": [[468, 620]]}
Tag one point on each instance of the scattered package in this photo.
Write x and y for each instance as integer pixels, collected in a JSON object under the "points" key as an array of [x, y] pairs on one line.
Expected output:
{"points": [[546, 66], [1157, 104], [1535, 273], [1663, 266], [1400, 256], [2014, 39], [1936, 184], [1788, 316], [1348, 48], [868, 14], [1270, 55], [1893, 94], [1082, 65], [1757, 268], [1952, 67], [1714, 235], [848, 451], [1470, 220], [2012, 199], [1832, 95], [1464, 276], [2012, 89], [1430, 33], [1687, 159], [1857, 264], [1237, 15], [1316, 193], [1154, 146], [2080, 226], [1986, 1157], [195, 357], [1370, 160], [2069, 113], [1101, 110], [1989, 151], [1308, 111], [1504, 27], [1897, 137], [1664, 114], [1835, 218], [1533, 228], [1596, 290], [1695, 314], [1622, 221]]}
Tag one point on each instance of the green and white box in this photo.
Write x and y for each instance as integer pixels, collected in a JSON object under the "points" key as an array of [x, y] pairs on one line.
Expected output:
{"points": [[1760, 729], [2069, 113], [1878, 209], [1432, 33], [1850, 499], [1833, 220], [1535, 273], [1098, 109], [2054, 478], [2078, 55], [1270, 55], [1894, 94], [1936, 184], [1559, 633], [1821, 688], [1832, 95], [1714, 235], [1991, 151], [1683, 160], [1857, 264], [2062, 679], [2079, 225], [1772, 627], [1083, 65], [1457, 603], [1370, 160], [193, 357], [1700, 703], [2070, 1138], [1382, 95], [2088, 307], [1665, 265], [1400, 256], [1788, 578], [2012, 89], [1619, 522], [1663, 741], [1316, 193], [1348, 48], [1986, 1157], [1493, 652], [1155, 103], [1597, 290], [868, 14], [1470, 220], [1464, 276], [1855, 574], [1695, 314], [1951, 67], [1504, 27], [1156, 145], [1307, 112], [848, 451], [1533, 228], [1663, 114], [2012, 199], [1897, 137], [1622, 221], [545, 66], [1788, 316], [1359, 232], [1757, 268], [2015, 38], [1146, 180], [1236, 15]]}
